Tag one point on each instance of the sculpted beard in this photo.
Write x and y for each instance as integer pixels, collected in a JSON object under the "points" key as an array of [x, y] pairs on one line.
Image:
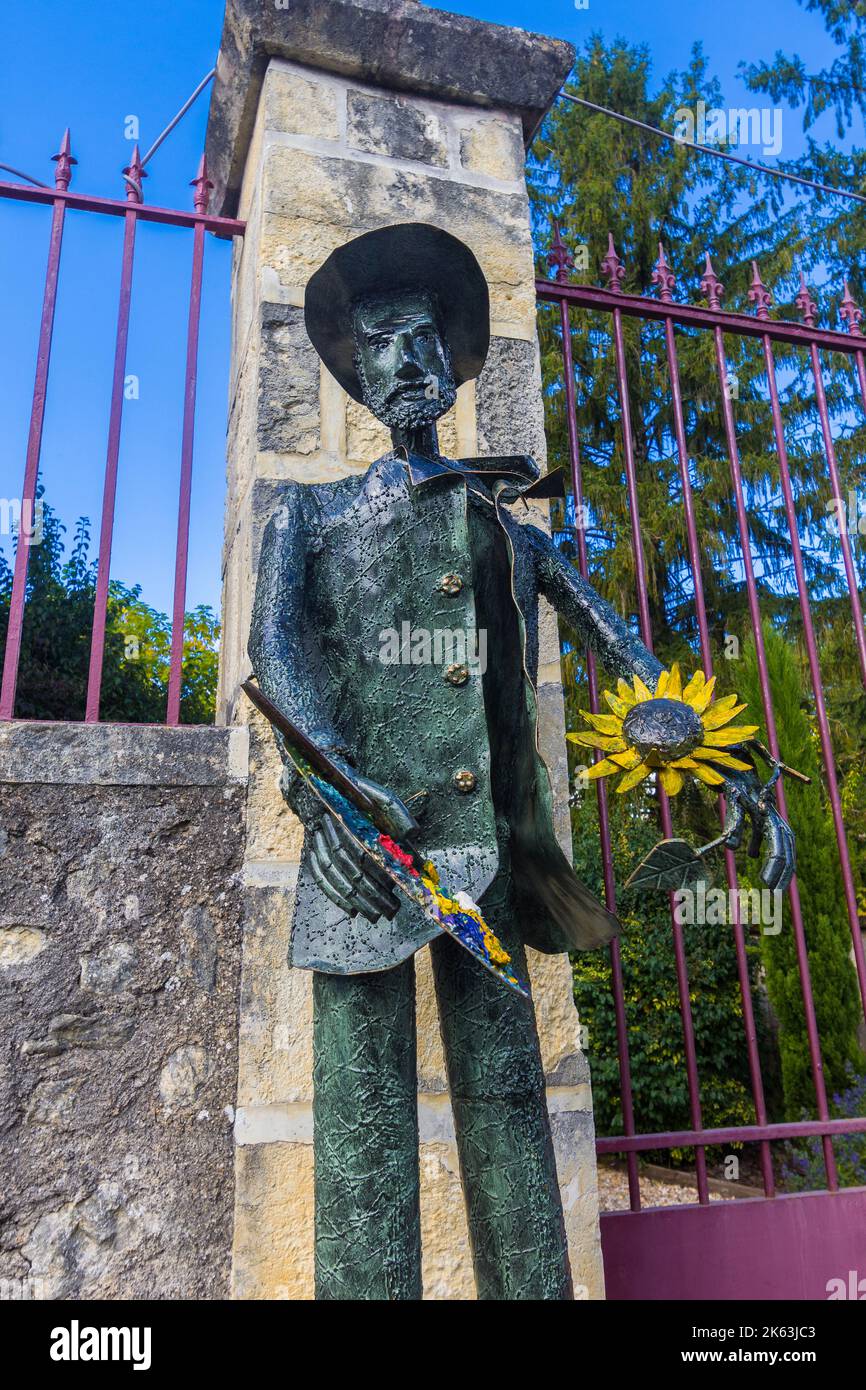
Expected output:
{"points": [[398, 411]]}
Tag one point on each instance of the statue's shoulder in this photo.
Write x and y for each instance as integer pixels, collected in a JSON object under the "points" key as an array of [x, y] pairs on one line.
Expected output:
{"points": [[315, 502]]}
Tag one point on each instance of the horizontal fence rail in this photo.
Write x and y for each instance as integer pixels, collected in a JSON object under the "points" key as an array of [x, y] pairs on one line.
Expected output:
{"points": [[666, 311], [133, 210]]}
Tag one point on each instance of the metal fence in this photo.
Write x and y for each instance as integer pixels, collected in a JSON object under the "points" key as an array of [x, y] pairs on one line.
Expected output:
{"points": [[612, 301], [133, 210]]}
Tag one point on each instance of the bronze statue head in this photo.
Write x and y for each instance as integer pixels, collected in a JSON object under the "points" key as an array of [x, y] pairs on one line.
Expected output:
{"points": [[402, 358], [394, 307]]}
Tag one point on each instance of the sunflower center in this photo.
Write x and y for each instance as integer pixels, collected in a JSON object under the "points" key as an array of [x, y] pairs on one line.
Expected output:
{"points": [[663, 730]]}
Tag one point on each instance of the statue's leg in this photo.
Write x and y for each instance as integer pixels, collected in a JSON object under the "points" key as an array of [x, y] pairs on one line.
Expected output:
{"points": [[496, 1079], [365, 1122]]}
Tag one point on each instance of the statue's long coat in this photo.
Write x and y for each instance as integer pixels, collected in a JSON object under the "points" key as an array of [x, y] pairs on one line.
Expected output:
{"points": [[341, 564]]}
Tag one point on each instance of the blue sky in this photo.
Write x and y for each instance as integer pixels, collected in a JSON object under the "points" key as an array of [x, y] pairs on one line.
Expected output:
{"points": [[91, 64]]}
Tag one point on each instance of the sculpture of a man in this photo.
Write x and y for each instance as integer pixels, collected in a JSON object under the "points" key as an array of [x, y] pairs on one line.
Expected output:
{"points": [[400, 317]]}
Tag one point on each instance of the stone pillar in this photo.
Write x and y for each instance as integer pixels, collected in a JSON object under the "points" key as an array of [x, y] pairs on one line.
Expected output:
{"points": [[330, 118]]}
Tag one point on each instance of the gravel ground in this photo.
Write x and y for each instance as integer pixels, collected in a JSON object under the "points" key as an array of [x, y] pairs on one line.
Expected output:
{"points": [[613, 1192]]}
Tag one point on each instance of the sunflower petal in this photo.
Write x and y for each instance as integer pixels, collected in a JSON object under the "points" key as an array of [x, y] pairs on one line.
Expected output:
{"points": [[701, 700], [601, 769], [708, 775], [662, 685], [722, 759], [625, 692], [630, 758], [688, 763], [675, 683], [604, 723], [725, 702], [641, 691], [694, 687], [716, 715], [609, 743], [671, 780], [618, 706], [632, 778], [721, 738]]}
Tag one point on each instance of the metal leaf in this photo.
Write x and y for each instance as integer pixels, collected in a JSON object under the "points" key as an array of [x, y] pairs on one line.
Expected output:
{"points": [[670, 865]]}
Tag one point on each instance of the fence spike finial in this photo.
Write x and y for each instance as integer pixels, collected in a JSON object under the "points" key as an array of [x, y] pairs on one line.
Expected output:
{"points": [[64, 159], [851, 312], [664, 277], [711, 285], [805, 303], [559, 255], [759, 295], [613, 267], [133, 174], [202, 185]]}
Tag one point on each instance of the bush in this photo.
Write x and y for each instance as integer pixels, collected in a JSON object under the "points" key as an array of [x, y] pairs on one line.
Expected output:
{"points": [[803, 1169]]}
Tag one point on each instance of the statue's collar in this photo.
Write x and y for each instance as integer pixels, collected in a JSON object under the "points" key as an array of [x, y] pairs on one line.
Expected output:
{"points": [[507, 477]]}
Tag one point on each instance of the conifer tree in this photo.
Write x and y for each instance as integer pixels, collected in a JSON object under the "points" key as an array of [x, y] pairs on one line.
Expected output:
{"points": [[825, 920]]}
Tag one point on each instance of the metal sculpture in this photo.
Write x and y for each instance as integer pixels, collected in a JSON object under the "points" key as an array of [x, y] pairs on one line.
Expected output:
{"points": [[448, 753]]}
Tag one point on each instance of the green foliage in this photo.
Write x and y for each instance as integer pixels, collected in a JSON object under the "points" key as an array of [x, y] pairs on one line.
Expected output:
{"points": [[55, 646], [597, 176], [804, 1170], [837, 233], [825, 921], [657, 1056]]}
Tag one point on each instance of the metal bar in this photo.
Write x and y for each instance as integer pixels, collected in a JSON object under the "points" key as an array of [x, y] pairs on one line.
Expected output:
{"points": [[713, 151], [712, 287], [202, 185], [861, 375], [12, 654], [626, 1092], [732, 1134], [815, 671], [116, 207], [707, 661], [614, 269], [164, 134], [19, 174], [836, 482], [691, 315], [97, 642]]}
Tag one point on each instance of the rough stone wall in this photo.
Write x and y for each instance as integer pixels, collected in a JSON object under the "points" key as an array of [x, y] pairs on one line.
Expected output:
{"points": [[120, 851], [330, 158]]}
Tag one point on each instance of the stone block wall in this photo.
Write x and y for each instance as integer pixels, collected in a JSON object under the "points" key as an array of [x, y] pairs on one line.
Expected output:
{"points": [[120, 852], [330, 157], [155, 1071]]}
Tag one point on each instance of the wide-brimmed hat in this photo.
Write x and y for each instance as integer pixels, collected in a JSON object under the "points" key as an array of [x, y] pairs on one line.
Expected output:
{"points": [[408, 256]]}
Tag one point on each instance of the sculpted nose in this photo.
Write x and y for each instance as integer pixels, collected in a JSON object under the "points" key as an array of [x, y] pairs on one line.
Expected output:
{"points": [[408, 365]]}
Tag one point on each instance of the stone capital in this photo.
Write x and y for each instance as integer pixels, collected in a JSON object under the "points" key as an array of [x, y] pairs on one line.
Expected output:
{"points": [[400, 45]]}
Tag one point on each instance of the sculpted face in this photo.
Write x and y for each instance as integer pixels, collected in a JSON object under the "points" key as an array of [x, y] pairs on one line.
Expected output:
{"points": [[402, 361]]}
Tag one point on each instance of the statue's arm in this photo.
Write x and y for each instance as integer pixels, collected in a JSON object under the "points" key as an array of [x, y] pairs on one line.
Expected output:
{"points": [[276, 646], [591, 618], [622, 653], [279, 657]]}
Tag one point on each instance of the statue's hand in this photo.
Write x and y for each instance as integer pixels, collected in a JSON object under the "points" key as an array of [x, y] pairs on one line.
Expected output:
{"points": [[747, 795], [347, 875], [343, 871]]}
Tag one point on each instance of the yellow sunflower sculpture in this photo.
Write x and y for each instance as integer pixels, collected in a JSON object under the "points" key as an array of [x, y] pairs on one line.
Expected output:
{"points": [[673, 731]]}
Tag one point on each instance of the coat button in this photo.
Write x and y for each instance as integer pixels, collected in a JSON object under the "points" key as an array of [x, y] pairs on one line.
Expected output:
{"points": [[450, 583], [456, 674], [464, 780]]}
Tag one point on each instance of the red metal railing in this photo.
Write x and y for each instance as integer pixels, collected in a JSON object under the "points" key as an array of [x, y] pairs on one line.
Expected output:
{"points": [[664, 309], [133, 210]]}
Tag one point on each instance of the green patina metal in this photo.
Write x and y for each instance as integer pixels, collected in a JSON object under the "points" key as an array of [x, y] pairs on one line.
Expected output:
{"points": [[400, 317]]}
